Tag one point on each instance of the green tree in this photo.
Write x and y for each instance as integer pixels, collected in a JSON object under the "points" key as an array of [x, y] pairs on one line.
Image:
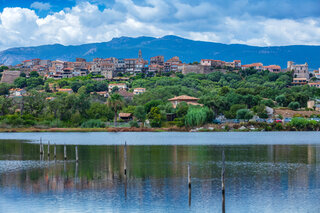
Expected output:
{"points": [[196, 116], [20, 82], [154, 117], [140, 114], [4, 88], [100, 111], [294, 105], [5, 105], [244, 114], [34, 74], [115, 102], [281, 100]]}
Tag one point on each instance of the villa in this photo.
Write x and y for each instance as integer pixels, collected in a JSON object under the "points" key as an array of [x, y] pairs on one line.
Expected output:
{"points": [[184, 98]]}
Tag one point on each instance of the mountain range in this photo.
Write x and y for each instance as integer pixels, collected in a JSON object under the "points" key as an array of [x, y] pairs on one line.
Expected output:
{"points": [[168, 46]]}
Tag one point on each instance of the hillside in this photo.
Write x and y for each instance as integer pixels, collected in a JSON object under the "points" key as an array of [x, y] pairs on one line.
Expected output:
{"points": [[169, 46]]}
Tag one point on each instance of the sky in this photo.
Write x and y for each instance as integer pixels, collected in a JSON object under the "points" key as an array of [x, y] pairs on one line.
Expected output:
{"points": [[73, 22]]}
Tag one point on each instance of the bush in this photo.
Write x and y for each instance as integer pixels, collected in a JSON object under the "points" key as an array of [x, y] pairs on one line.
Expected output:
{"points": [[93, 124], [244, 114], [134, 124], [294, 105]]}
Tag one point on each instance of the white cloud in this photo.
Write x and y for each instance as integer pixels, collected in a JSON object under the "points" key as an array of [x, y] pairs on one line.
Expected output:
{"points": [[85, 23], [40, 6]]}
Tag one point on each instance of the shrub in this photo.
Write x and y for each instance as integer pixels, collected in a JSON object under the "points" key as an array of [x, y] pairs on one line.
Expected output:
{"points": [[294, 105], [93, 124], [244, 114], [134, 124]]}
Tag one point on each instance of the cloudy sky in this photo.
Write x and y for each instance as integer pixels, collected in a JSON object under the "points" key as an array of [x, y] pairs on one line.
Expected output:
{"points": [[70, 22]]}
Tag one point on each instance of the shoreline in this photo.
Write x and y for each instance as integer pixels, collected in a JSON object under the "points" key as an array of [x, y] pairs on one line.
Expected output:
{"points": [[133, 129]]}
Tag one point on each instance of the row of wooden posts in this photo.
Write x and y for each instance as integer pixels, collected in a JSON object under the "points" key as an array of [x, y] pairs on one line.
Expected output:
{"points": [[55, 150], [125, 167]]}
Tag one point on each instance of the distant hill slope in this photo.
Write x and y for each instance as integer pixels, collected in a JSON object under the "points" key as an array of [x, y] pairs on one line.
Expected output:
{"points": [[169, 46]]}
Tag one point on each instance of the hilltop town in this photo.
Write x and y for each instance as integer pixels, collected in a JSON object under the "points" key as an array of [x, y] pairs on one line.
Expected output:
{"points": [[113, 68], [156, 93]]}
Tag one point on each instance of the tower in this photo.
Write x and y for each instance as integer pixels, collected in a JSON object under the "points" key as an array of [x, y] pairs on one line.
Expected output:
{"points": [[140, 54]]}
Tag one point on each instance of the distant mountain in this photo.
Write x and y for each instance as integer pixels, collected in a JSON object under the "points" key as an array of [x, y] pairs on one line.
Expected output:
{"points": [[168, 46]]}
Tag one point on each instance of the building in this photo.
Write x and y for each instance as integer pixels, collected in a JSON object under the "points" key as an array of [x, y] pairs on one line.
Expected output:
{"points": [[299, 70], [273, 68], [157, 60], [125, 94], [125, 116], [172, 64], [317, 84], [256, 66], [138, 91], [69, 91], [121, 86], [184, 98], [15, 92], [299, 81]]}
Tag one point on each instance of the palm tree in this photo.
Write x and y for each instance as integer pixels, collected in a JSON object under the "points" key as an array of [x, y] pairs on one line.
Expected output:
{"points": [[115, 102]]}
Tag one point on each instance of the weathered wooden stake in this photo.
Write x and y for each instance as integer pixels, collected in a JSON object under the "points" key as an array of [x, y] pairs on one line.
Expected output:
{"points": [[41, 147], [222, 182], [77, 159], [48, 148], [189, 176], [65, 152], [55, 151], [125, 158]]}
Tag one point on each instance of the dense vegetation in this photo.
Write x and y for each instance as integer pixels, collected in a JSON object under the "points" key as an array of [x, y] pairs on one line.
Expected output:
{"points": [[240, 94]]}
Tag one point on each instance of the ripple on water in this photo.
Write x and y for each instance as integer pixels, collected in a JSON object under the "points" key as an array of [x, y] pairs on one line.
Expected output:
{"points": [[7, 166]]}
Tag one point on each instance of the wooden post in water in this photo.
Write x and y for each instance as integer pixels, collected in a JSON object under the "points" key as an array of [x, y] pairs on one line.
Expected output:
{"points": [[222, 183], [77, 159], [48, 148], [41, 147], [65, 152], [189, 176], [55, 151], [125, 158]]}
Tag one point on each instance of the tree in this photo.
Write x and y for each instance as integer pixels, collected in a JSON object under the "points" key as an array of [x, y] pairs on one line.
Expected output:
{"points": [[281, 100], [75, 86], [5, 105], [34, 82], [244, 114], [140, 114], [4, 88], [34, 74], [34, 103], [294, 105], [155, 117], [100, 111], [196, 116], [115, 102], [3, 68], [20, 82]]}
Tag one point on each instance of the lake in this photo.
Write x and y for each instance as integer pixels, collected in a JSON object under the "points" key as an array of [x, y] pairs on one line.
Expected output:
{"points": [[264, 172]]}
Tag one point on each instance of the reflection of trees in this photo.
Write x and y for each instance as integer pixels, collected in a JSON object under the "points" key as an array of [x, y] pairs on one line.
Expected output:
{"points": [[101, 167]]}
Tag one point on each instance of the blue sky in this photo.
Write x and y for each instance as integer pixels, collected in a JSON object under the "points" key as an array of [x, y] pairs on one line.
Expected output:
{"points": [[70, 22]]}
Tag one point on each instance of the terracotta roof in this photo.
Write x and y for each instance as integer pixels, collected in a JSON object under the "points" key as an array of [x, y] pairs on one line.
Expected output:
{"points": [[300, 79], [64, 90], [140, 88], [125, 94], [193, 103], [184, 98], [125, 115], [273, 67]]}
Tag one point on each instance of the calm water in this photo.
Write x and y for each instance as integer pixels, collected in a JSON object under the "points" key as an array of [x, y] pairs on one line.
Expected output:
{"points": [[265, 172]]}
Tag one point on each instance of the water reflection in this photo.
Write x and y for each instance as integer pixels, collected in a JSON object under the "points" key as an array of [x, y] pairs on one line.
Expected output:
{"points": [[273, 178]]}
